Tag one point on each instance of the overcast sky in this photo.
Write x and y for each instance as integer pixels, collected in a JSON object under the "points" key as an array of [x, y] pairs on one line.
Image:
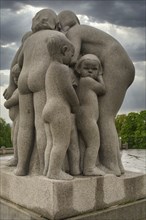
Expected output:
{"points": [[124, 20]]}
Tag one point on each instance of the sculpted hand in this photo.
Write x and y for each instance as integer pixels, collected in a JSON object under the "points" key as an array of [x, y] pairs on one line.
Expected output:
{"points": [[8, 92]]}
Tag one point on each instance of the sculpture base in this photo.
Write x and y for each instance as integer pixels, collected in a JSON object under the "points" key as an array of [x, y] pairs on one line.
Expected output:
{"points": [[55, 199], [134, 210]]}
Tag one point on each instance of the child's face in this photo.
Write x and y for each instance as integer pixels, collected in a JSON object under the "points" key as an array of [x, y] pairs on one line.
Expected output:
{"points": [[89, 68]]}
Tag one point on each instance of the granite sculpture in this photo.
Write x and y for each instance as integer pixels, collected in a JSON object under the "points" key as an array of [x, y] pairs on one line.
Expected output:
{"points": [[118, 74], [61, 99], [70, 87], [90, 86], [13, 105]]}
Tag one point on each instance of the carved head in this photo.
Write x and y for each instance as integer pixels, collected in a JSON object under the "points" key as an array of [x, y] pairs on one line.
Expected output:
{"points": [[60, 48], [44, 19], [67, 19], [89, 66]]}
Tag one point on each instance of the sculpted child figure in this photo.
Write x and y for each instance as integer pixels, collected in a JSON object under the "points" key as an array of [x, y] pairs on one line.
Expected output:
{"points": [[118, 75], [13, 105], [45, 19], [12, 85], [34, 61], [90, 86], [61, 99]]}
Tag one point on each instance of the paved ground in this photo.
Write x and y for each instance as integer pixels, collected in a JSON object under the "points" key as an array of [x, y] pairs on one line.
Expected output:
{"points": [[133, 160]]}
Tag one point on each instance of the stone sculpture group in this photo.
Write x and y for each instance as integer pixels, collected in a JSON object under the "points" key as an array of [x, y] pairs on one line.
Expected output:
{"points": [[67, 83]]}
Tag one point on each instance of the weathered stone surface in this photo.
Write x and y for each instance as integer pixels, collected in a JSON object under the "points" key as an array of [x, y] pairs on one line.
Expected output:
{"points": [[131, 211], [58, 199], [44, 119], [10, 211]]}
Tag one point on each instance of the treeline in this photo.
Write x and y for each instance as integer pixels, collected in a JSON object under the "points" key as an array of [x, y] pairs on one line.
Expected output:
{"points": [[5, 134], [132, 129]]}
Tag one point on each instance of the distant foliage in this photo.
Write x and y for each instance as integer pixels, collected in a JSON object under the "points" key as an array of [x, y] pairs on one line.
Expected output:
{"points": [[132, 129], [5, 134]]}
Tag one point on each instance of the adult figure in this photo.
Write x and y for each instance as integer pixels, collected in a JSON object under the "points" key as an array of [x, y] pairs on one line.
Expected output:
{"points": [[118, 74]]}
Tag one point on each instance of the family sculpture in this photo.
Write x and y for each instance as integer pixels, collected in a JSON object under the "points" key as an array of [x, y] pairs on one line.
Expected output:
{"points": [[67, 83]]}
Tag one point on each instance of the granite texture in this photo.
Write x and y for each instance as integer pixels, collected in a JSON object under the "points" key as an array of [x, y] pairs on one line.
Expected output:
{"points": [[58, 199], [130, 211], [44, 117]]}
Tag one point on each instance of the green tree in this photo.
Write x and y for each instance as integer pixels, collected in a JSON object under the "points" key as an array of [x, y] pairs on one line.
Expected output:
{"points": [[140, 133], [132, 129], [5, 134]]}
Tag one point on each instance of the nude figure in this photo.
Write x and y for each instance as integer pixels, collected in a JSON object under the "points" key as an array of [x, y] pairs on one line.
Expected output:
{"points": [[34, 60], [90, 86], [118, 75], [61, 99], [43, 20], [13, 105], [12, 85]]}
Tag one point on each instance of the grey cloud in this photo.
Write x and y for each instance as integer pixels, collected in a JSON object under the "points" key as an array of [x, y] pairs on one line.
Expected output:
{"points": [[6, 58], [4, 79], [137, 54], [125, 13], [14, 26], [135, 99]]}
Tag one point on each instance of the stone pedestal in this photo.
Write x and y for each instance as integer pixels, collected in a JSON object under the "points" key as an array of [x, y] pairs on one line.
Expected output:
{"points": [[55, 199]]}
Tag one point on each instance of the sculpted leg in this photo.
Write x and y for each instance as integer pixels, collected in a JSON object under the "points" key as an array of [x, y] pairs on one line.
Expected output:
{"points": [[25, 139], [73, 150], [14, 160], [109, 150], [109, 145], [61, 131], [48, 148], [118, 75], [91, 137], [39, 102]]}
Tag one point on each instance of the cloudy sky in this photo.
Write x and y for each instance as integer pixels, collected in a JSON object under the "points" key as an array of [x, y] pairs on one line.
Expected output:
{"points": [[124, 20]]}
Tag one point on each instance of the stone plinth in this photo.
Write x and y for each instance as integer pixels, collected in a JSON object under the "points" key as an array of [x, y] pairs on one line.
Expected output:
{"points": [[55, 199]]}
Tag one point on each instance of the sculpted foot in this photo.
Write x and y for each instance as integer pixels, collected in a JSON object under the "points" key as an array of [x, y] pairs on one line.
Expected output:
{"points": [[20, 172], [12, 162], [122, 169], [75, 172], [115, 170], [61, 176], [94, 172]]}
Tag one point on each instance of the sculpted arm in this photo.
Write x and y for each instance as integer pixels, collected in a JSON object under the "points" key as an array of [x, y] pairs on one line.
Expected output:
{"points": [[12, 86], [97, 87], [70, 92], [12, 101], [101, 85]]}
